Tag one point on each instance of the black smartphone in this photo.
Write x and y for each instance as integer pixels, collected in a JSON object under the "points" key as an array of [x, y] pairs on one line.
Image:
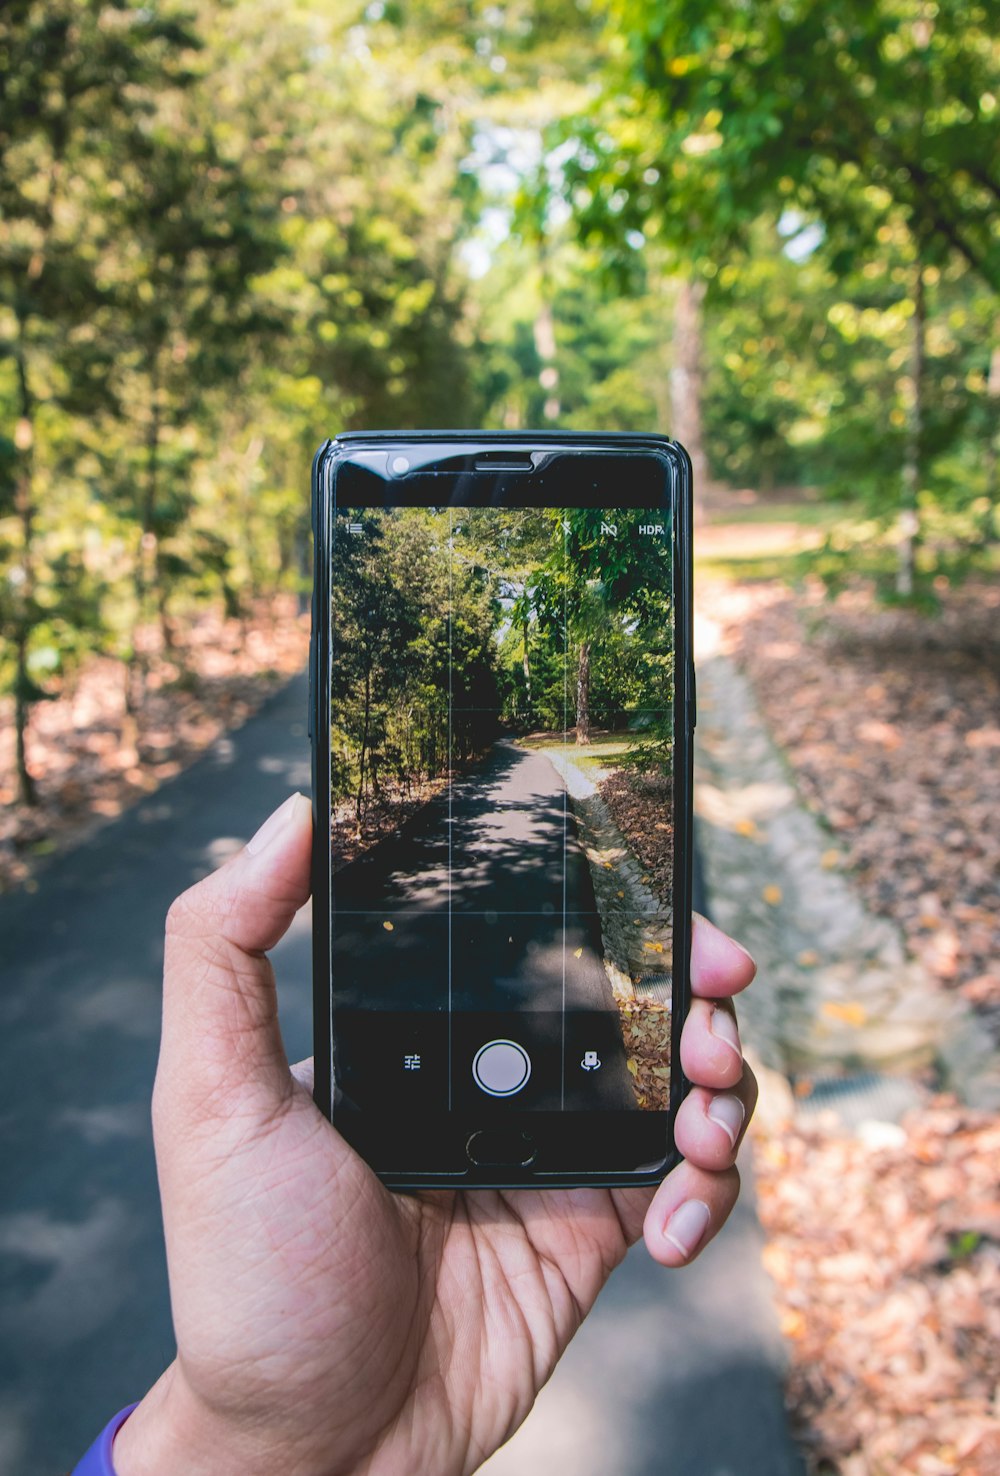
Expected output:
{"points": [[501, 714]]}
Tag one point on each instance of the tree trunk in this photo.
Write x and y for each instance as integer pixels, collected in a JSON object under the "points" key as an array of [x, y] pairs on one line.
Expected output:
{"points": [[24, 503], [162, 597], [686, 383], [909, 518], [359, 803], [26, 791], [526, 668], [583, 695], [146, 555], [989, 527], [545, 347], [129, 733]]}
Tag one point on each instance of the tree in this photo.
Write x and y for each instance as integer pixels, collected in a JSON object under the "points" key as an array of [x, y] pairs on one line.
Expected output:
{"points": [[182, 316], [594, 579], [867, 120], [74, 80]]}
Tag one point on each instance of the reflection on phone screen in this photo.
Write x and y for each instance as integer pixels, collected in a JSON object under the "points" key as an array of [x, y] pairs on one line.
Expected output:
{"points": [[501, 741]]}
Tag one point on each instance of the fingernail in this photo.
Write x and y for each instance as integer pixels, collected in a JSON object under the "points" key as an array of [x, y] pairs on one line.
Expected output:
{"points": [[719, 945], [273, 825], [745, 952], [739, 946], [729, 1113], [723, 1026], [687, 1225]]}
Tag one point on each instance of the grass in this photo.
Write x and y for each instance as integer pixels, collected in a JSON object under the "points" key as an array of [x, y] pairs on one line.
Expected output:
{"points": [[786, 568], [604, 751], [812, 514], [782, 541]]}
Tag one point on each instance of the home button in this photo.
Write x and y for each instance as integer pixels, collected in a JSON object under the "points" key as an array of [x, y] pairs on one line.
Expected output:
{"points": [[500, 1148]]}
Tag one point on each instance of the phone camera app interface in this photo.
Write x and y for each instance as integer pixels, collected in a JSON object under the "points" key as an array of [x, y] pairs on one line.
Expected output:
{"points": [[501, 744]]}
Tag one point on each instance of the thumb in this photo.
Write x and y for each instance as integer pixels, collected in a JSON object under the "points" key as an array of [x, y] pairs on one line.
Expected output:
{"points": [[221, 1041]]}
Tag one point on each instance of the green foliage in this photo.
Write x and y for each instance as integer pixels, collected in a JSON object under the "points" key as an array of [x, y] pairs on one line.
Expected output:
{"points": [[856, 115], [415, 681], [226, 230]]}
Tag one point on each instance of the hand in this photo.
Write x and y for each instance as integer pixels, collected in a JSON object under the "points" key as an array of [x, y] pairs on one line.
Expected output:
{"points": [[323, 1324]]}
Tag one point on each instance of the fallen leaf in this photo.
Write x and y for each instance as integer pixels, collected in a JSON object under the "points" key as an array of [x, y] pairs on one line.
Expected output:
{"points": [[848, 1012], [808, 958], [745, 827], [792, 1324], [388, 927], [577, 952], [772, 894], [830, 860]]}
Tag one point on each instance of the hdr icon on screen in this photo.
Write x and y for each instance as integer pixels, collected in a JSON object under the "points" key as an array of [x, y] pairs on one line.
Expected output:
{"points": [[651, 529]]}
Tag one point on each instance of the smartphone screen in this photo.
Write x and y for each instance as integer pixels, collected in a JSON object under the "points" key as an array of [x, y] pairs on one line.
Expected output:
{"points": [[501, 774]]}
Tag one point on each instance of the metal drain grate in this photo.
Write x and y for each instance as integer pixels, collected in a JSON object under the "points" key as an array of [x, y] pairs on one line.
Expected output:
{"points": [[658, 987], [867, 1097]]}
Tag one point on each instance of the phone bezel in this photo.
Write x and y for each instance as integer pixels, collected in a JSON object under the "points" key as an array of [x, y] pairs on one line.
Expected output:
{"points": [[641, 1128]]}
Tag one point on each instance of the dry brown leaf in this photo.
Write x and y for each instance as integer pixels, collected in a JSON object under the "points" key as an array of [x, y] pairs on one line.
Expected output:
{"points": [[848, 1012]]}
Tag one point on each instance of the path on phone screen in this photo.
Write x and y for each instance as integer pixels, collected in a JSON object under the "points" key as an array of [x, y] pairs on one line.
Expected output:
{"points": [[484, 905], [671, 1373]]}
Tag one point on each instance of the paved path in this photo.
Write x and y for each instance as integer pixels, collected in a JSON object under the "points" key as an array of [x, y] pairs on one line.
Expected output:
{"points": [[672, 1373], [84, 1318], [480, 920]]}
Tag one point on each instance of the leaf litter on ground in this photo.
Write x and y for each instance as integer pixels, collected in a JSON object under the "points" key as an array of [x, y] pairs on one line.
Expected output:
{"points": [[884, 1248], [82, 752]]}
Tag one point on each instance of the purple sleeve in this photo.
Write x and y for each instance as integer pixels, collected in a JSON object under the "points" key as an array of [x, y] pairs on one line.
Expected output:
{"points": [[97, 1461]]}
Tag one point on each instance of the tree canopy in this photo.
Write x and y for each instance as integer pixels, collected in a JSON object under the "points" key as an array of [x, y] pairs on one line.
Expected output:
{"points": [[228, 230]]}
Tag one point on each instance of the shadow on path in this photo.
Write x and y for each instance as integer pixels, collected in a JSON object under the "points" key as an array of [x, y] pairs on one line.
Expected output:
{"points": [[84, 1316], [479, 921], [672, 1373]]}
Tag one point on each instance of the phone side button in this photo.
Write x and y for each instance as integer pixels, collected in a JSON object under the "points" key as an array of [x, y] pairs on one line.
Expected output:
{"points": [[312, 693], [500, 1148], [693, 695]]}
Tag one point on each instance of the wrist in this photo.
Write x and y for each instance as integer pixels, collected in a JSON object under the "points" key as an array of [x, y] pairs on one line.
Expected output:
{"points": [[171, 1431]]}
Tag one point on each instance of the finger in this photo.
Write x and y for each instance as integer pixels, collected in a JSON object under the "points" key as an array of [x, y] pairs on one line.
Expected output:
{"points": [[711, 1051], [220, 1021], [710, 1125], [688, 1210], [304, 1074], [719, 965]]}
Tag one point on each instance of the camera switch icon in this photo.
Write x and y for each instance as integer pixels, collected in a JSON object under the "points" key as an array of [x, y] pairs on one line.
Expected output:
{"points": [[591, 1061]]}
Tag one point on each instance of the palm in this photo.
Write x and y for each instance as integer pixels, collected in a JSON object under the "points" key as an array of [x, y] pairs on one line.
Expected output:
{"points": [[508, 1277], [324, 1324], [477, 1294]]}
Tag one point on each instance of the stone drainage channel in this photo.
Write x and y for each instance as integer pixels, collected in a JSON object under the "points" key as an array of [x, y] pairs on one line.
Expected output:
{"points": [[636, 927], [837, 1008], [837, 1005]]}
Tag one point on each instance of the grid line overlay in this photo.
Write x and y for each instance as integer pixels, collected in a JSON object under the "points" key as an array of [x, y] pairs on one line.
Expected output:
{"points": [[562, 1055], [451, 773]]}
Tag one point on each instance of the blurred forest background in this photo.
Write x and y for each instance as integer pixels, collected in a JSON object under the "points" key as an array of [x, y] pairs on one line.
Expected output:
{"points": [[228, 230]]}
